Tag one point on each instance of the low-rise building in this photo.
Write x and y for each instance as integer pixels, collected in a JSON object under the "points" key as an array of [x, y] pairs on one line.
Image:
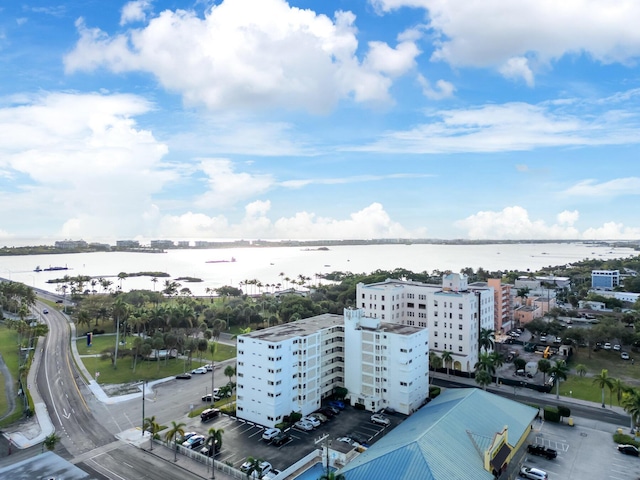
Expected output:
{"points": [[605, 279]]}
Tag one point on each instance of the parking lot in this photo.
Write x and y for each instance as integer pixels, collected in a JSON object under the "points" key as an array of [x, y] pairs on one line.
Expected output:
{"points": [[585, 450], [242, 439]]}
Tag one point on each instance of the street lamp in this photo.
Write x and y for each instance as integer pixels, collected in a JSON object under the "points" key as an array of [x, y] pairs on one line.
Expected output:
{"points": [[143, 384]]}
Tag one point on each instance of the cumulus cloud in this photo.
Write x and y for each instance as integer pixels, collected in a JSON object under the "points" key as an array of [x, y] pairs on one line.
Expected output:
{"points": [[227, 187], [250, 54], [492, 33], [442, 89], [514, 223], [370, 222], [135, 11], [81, 160], [513, 126]]}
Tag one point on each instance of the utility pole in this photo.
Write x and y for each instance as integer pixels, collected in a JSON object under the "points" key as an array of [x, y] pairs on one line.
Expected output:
{"points": [[143, 384]]}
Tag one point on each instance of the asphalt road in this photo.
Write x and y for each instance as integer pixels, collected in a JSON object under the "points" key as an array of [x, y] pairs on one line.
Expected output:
{"points": [[85, 441]]}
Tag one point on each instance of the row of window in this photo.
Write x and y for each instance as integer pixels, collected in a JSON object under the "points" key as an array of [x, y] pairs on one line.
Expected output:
{"points": [[435, 345], [435, 334]]}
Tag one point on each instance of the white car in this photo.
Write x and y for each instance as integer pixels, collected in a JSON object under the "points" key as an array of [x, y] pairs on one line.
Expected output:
{"points": [[533, 473], [607, 346], [312, 420], [624, 356], [199, 370], [380, 419], [616, 347], [302, 425], [348, 440], [269, 433], [264, 466]]}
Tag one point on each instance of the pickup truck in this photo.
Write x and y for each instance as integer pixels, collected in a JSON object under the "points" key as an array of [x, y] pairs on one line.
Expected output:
{"points": [[542, 451]]}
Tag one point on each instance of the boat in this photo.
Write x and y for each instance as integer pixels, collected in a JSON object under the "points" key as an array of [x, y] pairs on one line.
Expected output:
{"points": [[37, 269], [233, 259], [55, 269]]}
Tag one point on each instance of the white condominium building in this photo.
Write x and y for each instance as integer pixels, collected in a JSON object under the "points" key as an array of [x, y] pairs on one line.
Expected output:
{"points": [[454, 312], [292, 367]]}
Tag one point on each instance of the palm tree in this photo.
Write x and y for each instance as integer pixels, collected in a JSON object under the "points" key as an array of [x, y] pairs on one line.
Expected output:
{"points": [[119, 311], [229, 371], [485, 363], [332, 476], [254, 466], [498, 360], [486, 339], [618, 387], [544, 366], [581, 369], [559, 371], [631, 405], [483, 378], [50, 441], [214, 440], [434, 360], [603, 380], [151, 426], [447, 358], [177, 429]]}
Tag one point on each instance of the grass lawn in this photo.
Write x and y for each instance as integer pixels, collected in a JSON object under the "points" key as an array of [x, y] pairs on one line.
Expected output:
{"points": [[9, 350], [610, 360], [99, 343], [145, 370]]}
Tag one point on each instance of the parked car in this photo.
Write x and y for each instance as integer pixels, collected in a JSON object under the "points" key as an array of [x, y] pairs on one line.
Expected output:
{"points": [[209, 367], [44, 310], [208, 451], [380, 419], [273, 473], [356, 437], [312, 420], [616, 347], [265, 466], [270, 433], [624, 356], [209, 414], [183, 376], [323, 418], [533, 473], [329, 411], [281, 439], [629, 450], [199, 370], [186, 436], [543, 338], [194, 442], [302, 425], [348, 440], [542, 451], [607, 346], [339, 404]]}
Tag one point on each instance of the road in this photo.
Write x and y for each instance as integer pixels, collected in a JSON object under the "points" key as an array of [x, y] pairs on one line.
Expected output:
{"points": [[85, 441], [522, 394]]}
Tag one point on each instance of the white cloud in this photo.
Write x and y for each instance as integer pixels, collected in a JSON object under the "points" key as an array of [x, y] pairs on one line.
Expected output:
{"points": [[80, 161], [442, 89], [135, 11], [227, 187], [250, 54], [370, 222], [488, 33], [345, 180], [511, 127], [518, 68], [568, 217], [611, 188], [513, 223]]}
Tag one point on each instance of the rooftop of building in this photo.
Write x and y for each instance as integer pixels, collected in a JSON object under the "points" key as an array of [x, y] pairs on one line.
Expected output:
{"points": [[299, 328]]}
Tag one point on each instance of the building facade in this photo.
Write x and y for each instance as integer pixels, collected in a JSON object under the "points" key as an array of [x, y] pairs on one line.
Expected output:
{"points": [[605, 279], [502, 310], [293, 367], [454, 312]]}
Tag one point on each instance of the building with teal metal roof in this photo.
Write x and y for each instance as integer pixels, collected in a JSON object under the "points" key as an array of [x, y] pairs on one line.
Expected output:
{"points": [[465, 433]]}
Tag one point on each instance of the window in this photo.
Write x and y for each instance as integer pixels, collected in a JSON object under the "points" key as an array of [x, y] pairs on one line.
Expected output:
{"points": [[240, 340], [460, 337], [460, 348], [459, 316], [410, 305], [435, 324], [435, 303], [459, 326], [435, 334]]}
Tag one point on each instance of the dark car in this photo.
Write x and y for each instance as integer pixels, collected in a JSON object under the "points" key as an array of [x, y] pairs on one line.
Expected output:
{"points": [[208, 451], [542, 451], [209, 414], [183, 376], [339, 404], [281, 439], [329, 411], [628, 450], [356, 437]]}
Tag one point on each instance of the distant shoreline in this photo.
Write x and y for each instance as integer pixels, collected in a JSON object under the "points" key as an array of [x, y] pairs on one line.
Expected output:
{"points": [[319, 244]]}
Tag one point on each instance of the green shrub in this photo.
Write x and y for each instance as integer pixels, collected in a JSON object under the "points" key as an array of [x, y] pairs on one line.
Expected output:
{"points": [[434, 391], [563, 411], [625, 439], [551, 414]]}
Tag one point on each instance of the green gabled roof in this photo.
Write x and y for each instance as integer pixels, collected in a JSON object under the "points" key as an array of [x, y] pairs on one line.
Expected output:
{"points": [[444, 440]]}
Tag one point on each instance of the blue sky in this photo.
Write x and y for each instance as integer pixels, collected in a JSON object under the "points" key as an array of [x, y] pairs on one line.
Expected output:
{"points": [[477, 119]]}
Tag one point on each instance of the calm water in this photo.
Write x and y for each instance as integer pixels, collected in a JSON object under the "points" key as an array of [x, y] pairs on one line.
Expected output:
{"points": [[266, 264], [313, 473]]}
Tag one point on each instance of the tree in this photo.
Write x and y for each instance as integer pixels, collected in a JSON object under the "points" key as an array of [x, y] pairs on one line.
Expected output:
{"points": [[447, 358], [544, 366], [631, 404], [601, 381], [177, 429], [50, 441], [229, 371], [485, 363], [255, 465], [483, 378], [618, 388], [486, 339], [119, 311], [214, 440], [151, 426], [498, 360], [559, 371], [581, 369]]}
